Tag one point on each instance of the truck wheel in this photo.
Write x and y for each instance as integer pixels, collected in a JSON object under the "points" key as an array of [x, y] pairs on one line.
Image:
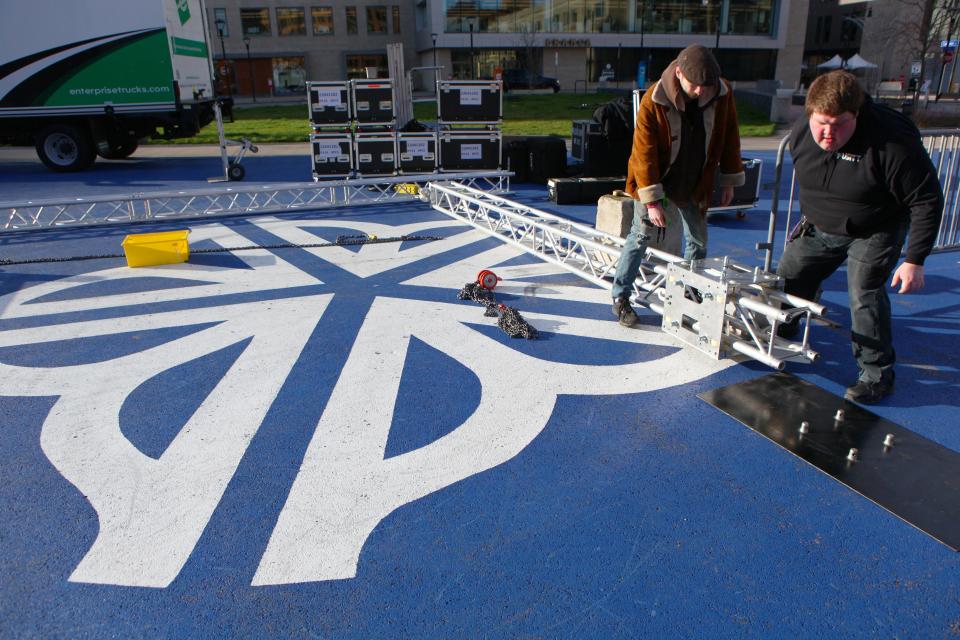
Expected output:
{"points": [[121, 150], [236, 172], [66, 147]]}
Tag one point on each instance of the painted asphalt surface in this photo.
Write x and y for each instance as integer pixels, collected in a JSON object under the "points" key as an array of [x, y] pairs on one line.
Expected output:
{"points": [[327, 443]]}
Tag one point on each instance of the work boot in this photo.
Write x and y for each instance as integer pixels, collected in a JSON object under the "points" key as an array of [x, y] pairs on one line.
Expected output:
{"points": [[624, 312], [865, 392]]}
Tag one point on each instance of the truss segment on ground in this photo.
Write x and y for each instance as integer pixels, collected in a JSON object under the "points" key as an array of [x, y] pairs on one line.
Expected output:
{"points": [[716, 306], [227, 201]]}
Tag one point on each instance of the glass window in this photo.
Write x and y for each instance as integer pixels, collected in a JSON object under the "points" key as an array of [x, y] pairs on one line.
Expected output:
{"points": [[357, 65], [322, 20], [255, 22], [742, 17], [289, 75], [351, 13], [395, 9], [750, 18], [377, 19], [458, 15], [291, 21], [220, 22]]}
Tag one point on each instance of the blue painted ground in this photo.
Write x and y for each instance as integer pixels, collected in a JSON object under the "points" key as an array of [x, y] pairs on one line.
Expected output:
{"points": [[646, 514]]}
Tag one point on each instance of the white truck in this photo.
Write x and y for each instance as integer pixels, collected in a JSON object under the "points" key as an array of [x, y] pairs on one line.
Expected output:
{"points": [[78, 79]]}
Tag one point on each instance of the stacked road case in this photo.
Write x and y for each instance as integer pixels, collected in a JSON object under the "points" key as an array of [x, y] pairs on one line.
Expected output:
{"points": [[469, 115], [353, 125], [331, 141], [354, 130], [417, 152], [375, 138]]}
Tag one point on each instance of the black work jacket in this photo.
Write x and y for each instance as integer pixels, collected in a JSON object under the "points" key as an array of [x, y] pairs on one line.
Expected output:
{"points": [[882, 175]]}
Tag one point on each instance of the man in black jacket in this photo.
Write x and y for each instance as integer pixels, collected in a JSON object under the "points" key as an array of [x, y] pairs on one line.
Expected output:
{"points": [[864, 178]]}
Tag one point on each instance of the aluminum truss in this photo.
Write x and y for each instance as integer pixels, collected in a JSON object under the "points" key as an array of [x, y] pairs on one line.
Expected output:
{"points": [[227, 201], [716, 306]]}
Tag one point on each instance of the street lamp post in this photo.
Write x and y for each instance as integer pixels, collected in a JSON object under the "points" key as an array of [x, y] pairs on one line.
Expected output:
{"points": [[433, 37], [221, 28], [719, 22], [944, 62], [619, 71], [643, 15], [253, 84], [716, 46], [472, 64]]}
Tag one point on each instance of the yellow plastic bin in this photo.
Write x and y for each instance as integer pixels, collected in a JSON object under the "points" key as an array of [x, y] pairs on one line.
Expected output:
{"points": [[150, 249]]}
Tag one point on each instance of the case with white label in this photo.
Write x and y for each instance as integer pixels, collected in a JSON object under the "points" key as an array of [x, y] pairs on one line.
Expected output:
{"points": [[470, 102], [417, 152], [329, 103], [469, 150], [331, 154], [375, 154], [372, 102]]}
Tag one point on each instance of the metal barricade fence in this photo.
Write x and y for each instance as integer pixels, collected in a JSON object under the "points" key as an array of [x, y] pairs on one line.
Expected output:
{"points": [[943, 146]]}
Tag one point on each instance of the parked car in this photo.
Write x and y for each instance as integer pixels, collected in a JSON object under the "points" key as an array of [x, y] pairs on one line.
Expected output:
{"points": [[523, 79]]}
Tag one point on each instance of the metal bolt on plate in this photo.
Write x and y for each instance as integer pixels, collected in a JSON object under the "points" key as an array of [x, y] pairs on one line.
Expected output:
{"points": [[804, 427], [839, 415], [888, 441], [852, 456]]}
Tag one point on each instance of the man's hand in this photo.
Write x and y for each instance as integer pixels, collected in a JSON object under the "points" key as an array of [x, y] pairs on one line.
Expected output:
{"points": [[655, 214], [726, 196], [909, 277]]}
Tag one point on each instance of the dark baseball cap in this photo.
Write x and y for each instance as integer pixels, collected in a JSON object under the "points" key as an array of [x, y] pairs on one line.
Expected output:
{"points": [[698, 65]]}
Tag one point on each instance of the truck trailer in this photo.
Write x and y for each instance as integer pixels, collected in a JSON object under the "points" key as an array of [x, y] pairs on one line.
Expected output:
{"points": [[81, 79]]}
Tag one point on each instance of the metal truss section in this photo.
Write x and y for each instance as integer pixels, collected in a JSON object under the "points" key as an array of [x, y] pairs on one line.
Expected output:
{"points": [[579, 248], [719, 307], [716, 306], [227, 201]]}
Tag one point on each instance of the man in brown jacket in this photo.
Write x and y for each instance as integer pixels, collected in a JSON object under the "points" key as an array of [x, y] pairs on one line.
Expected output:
{"points": [[686, 129]]}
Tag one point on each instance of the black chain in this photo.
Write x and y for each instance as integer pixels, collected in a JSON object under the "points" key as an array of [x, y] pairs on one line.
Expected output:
{"points": [[342, 241], [508, 318]]}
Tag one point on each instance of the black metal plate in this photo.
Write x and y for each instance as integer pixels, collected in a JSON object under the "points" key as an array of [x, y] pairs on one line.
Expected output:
{"points": [[915, 479]]}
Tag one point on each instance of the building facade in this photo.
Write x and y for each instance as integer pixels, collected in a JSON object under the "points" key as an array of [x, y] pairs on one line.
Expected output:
{"points": [[275, 46], [834, 27]]}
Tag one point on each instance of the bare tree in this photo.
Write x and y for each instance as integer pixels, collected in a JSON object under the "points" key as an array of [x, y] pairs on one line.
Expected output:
{"points": [[527, 35], [914, 28]]}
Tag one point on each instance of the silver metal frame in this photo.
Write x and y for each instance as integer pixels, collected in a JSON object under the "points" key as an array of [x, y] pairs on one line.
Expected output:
{"points": [[225, 201], [739, 308]]}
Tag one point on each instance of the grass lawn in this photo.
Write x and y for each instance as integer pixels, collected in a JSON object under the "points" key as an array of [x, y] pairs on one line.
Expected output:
{"points": [[523, 115]]}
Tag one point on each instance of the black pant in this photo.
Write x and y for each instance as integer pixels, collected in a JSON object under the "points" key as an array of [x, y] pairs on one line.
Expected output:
{"points": [[814, 255]]}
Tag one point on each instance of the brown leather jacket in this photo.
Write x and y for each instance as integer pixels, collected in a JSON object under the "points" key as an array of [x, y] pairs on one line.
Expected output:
{"points": [[655, 147]]}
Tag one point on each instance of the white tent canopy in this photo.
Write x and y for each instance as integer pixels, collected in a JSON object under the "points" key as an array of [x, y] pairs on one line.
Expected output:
{"points": [[856, 62], [836, 62]]}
